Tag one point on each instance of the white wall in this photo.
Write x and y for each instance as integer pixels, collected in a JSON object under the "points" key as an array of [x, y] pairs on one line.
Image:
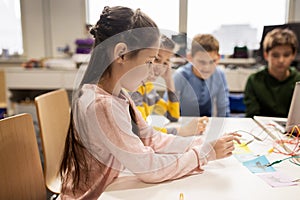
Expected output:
{"points": [[32, 26], [67, 22], [295, 10], [49, 24]]}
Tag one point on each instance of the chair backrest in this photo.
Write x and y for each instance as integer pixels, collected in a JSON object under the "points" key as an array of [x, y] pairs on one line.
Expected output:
{"points": [[21, 173], [53, 112]]}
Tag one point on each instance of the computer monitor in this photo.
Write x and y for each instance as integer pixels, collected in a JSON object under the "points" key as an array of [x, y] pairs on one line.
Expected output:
{"points": [[181, 40], [292, 26], [294, 112]]}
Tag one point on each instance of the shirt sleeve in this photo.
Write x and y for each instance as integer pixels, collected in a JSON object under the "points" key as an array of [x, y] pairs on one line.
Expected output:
{"points": [[138, 100], [152, 156], [147, 99], [166, 130], [179, 82], [222, 99], [250, 100], [169, 108]]}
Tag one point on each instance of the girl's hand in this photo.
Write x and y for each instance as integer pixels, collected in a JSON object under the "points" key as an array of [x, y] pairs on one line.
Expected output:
{"points": [[166, 72], [195, 127], [225, 145]]}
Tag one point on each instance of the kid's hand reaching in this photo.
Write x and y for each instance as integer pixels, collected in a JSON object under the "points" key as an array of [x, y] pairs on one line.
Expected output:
{"points": [[225, 145], [195, 127]]}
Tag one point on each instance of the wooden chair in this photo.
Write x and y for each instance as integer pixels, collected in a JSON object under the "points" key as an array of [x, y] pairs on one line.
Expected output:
{"points": [[21, 172], [53, 112]]}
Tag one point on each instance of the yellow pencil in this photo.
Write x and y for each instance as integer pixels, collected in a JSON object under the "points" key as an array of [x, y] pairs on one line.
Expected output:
{"points": [[181, 196]]}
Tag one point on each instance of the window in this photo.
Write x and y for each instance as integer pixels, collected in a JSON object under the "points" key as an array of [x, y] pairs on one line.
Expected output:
{"points": [[10, 27], [234, 22], [158, 10]]}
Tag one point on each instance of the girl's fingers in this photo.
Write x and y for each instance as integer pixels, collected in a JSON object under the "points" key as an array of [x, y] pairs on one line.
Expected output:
{"points": [[203, 120], [234, 136], [237, 140]]}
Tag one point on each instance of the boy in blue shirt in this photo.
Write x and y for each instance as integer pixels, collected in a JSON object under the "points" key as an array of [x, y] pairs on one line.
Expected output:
{"points": [[200, 83]]}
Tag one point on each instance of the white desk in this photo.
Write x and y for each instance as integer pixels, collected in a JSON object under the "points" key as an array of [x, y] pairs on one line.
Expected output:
{"points": [[225, 179]]}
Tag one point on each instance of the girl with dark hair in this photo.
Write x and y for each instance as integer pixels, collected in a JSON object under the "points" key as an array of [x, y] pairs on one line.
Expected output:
{"points": [[107, 133]]}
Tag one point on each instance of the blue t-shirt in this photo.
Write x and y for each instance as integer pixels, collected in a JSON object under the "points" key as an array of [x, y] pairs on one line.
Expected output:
{"points": [[198, 96]]}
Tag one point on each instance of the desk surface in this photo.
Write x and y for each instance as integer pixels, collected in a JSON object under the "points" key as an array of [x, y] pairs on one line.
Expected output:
{"points": [[225, 179]]}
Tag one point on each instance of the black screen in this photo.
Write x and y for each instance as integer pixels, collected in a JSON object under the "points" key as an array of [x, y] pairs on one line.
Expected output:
{"points": [[292, 26]]}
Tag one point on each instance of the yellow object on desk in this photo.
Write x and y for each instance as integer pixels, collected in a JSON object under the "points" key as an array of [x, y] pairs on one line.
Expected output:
{"points": [[181, 196], [241, 148]]}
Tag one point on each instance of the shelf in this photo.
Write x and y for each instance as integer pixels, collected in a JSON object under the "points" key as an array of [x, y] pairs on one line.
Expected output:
{"points": [[39, 78], [237, 61]]}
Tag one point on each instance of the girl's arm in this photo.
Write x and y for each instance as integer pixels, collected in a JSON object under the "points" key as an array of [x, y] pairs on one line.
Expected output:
{"points": [[154, 157], [222, 99]]}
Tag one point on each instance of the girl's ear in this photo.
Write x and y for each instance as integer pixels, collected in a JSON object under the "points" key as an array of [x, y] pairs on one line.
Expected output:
{"points": [[119, 51]]}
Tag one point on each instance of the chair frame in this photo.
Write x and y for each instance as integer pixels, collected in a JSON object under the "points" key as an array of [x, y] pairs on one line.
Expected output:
{"points": [[21, 170], [53, 111]]}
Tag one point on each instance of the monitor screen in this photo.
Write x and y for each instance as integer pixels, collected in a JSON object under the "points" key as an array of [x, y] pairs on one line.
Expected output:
{"points": [[294, 111], [181, 40]]}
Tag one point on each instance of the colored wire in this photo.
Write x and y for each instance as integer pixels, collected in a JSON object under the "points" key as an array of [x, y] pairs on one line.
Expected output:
{"points": [[293, 140], [279, 161], [254, 136]]}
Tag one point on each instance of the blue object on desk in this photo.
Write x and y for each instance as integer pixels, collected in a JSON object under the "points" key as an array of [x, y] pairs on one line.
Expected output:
{"points": [[236, 103], [258, 165]]}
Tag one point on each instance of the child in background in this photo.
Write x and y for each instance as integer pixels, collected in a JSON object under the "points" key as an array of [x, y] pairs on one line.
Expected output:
{"points": [[148, 101], [269, 91], [107, 133], [200, 83]]}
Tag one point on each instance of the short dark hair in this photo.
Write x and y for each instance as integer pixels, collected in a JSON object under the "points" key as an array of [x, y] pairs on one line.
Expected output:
{"points": [[279, 37]]}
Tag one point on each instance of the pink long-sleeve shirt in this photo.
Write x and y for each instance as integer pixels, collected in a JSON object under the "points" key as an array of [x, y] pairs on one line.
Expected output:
{"points": [[104, 124]]}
